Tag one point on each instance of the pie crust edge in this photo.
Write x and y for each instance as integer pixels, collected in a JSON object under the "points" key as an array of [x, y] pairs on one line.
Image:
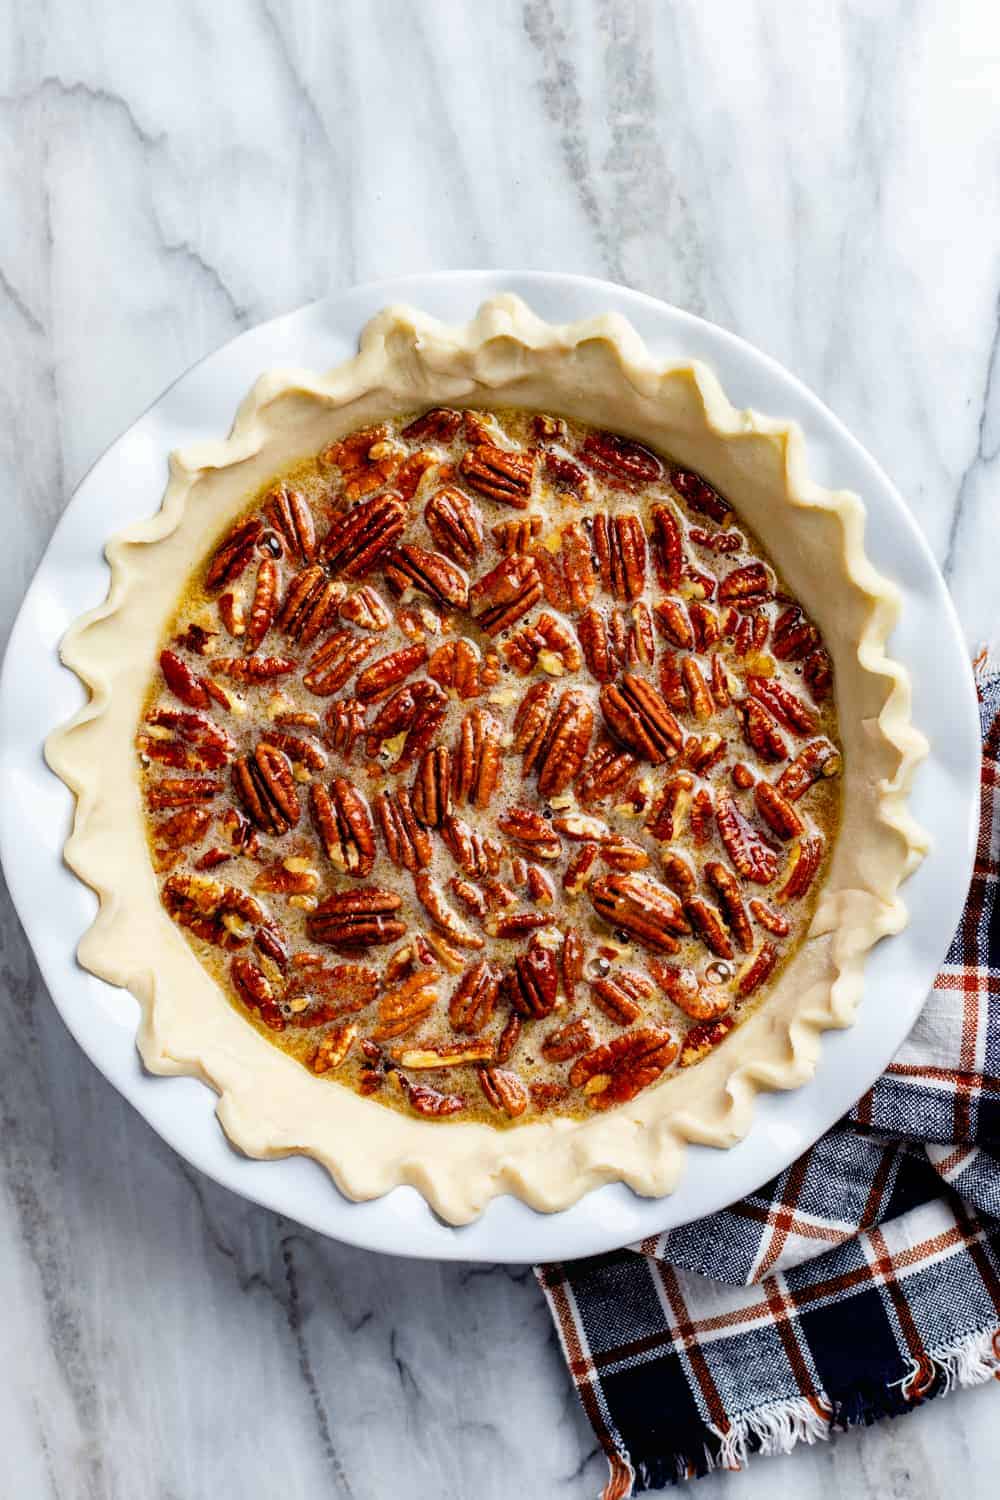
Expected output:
{"points": [[600, 371]]}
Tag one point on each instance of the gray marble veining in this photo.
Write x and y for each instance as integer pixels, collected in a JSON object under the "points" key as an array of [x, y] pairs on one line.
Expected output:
{"points": [[823, 179]]}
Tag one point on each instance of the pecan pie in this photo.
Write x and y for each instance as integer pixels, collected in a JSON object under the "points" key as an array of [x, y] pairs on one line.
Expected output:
{"points": [[490, 765], [494, 773]]}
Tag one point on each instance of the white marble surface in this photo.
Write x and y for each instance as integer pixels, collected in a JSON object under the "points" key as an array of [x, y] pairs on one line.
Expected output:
{"points": [[822, 178]]}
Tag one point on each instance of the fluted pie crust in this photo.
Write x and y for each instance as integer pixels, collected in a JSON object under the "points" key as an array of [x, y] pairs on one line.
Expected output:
{"points": [[600, 373]]}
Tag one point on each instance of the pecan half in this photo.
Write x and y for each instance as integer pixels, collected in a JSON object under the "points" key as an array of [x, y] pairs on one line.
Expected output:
{"points": [[389, 671], [529, 830], [310, 604], [568, 1041], [499, 473], [727, 888], [334, 662], [332, 1048], [431, 792], [601, 649], [672, 683], [619, 461], [803, 862], [620, 1069], [580, 869], [179, 832], [218, 914], [679, 874], [264, 606], [817, 669], [358, 918], [504, 1090], [700, 495], [359, 537], [431, 898], [446, 1055], [702, 1038], [303, 752], [254, 989], [461, 665], [674, 621], [253, 669], [637, 715], [777, 812], [754, 860], [757, 970], [345, 724], [619, 994], [193, 691], [188, 741], [545, 642], [793, 637], [783, 704], [605, 774], [440, 424], [474, 1000], [401, 1007], [264, 783], [642, 908], [366, 608], [533, 984], [623, 854], [472, 852], [516, 535], [233, 555], [344, 823], [668, 547], [503, 595], [746, 586], [477, 760], [683, 989], [564, 751], [700, 700], [761, 732], [572, 962], [180, 791], [455, 522], [818, 759], [431, 573], [532, 723], [430, 1102], [620, 546], [769, 918], [407, 844], [707, 922], [291, 517]]}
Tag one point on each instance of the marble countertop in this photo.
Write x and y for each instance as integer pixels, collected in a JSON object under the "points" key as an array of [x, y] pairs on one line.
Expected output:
{"points": [[823, 179]]}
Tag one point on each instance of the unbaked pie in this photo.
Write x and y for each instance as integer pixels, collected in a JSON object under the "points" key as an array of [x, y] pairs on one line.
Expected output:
{"points": [[510, 741]]}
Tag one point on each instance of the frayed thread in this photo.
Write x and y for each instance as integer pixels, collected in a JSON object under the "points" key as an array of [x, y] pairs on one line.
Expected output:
{"points": [[782, 1425]]}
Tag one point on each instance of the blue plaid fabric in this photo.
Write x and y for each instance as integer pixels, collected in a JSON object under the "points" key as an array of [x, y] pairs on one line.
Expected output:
{"points": [[862, 1280]]}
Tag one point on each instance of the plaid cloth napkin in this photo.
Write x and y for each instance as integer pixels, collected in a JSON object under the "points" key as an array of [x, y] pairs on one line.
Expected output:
{"points": [[863, 1280]]}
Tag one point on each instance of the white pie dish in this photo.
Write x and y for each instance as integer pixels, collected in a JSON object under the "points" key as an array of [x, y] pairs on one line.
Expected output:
{"points": [[323, 335]]}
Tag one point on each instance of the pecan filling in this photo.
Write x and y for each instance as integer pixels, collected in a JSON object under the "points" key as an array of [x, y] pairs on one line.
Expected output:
{"points": [[489, 767]]}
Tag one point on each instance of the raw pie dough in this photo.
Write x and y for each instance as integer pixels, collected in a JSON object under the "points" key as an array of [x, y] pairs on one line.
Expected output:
{"points": [[598, 373]]}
